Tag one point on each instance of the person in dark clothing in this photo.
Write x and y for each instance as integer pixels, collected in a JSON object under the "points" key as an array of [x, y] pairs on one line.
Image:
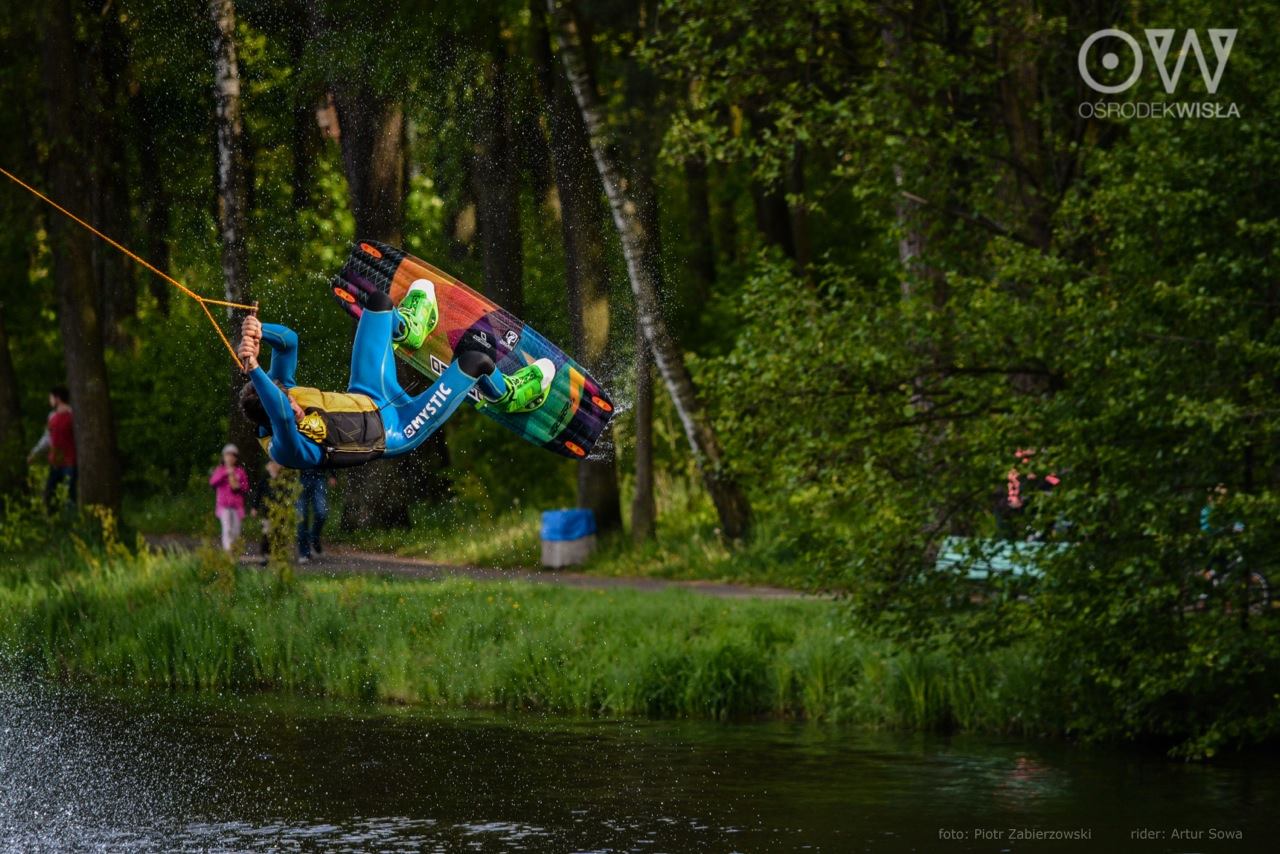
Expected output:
{"points": [[314, 499], [265, 492], [59, 441]]}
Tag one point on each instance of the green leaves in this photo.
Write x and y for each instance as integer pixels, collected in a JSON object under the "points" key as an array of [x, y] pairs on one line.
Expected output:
{"points": [[1102, 293]]}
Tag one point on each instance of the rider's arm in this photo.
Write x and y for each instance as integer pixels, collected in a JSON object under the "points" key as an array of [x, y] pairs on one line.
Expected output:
{"points": [[288, 447], [284, 352]]}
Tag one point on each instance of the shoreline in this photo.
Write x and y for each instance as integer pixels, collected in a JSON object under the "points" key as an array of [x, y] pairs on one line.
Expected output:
{"points": [[199, 622]]}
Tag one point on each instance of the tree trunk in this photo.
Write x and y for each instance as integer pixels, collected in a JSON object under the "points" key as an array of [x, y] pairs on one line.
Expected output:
{"points": [[460, 214], [304, 135], [582, 219], [773, 219], [230, 173], [78, 319], [156, 209], [497, 186], [372, 132], [920, 279], [639, 249], [12, 444], [1030, 171], [797, 211], [644, 509], [703, 262], [726, 227], [110, 185], [233, 188]]}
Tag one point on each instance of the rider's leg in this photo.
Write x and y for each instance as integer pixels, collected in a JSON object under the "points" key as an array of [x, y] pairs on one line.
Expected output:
{"points": [[411, 423], [492, 386], [373, 362]]}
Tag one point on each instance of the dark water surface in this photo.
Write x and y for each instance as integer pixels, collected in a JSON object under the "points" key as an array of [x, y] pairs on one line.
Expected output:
{"points": [[83, 772]]}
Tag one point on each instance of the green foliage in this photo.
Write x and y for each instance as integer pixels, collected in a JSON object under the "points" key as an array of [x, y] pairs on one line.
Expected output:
{"points": [[198, 621], [982, 268], [280, 523], [1107, 299], [26, 523]]}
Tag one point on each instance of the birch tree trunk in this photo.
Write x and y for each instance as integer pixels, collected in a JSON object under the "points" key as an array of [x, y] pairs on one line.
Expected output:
{"points": [[78, 300], [232, 188], [920, 279], [644, 271], [230, 152]]}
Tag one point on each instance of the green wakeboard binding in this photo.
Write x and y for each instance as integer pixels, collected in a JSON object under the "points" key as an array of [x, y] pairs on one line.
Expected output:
{"points": [[526, 388], [420, 314]]}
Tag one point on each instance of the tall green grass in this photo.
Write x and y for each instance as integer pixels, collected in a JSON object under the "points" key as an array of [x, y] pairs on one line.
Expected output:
{"points": [[197, 622]]}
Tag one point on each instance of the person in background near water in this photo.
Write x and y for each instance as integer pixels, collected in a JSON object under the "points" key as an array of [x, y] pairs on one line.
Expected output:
{"points": [[59, 440], [264, 492], [1210, 525], [1020, 484], [230, 483], [315, 499]]}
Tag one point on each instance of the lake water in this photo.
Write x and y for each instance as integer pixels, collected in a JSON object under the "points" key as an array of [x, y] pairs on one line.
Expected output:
{"points": [[84, 772]]}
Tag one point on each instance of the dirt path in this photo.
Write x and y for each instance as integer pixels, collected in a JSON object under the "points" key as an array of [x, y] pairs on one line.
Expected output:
{"points": [[341, 560]]}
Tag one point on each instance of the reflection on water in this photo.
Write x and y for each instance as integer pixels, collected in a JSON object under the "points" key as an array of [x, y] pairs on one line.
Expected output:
{"points": [[91, 773]]}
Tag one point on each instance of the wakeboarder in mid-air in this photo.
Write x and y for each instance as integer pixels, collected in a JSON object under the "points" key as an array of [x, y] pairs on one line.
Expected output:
{"points": [[305, 428]]}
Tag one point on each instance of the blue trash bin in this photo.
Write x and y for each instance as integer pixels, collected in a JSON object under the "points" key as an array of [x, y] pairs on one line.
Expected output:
{"points": [[568, 536]]}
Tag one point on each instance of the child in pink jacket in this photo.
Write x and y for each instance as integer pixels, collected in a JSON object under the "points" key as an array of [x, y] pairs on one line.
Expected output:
{"points": [[230, 484]]}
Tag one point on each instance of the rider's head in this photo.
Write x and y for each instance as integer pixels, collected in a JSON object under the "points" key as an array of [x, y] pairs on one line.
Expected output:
{"points": [[251, 406]]}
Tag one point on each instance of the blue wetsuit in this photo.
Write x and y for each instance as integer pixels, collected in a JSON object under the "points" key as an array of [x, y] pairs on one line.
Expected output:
{"points": [[408, 420]]}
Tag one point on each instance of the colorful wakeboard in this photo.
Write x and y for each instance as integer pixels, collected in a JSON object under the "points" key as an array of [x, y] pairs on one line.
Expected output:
{"points": [[576, 410]]}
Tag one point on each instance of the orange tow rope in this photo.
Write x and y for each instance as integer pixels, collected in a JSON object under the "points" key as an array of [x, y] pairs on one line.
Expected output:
{"points": [[204, 302]]}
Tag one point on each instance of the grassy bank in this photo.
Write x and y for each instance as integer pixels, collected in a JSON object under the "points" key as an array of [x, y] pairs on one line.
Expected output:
{"points": [[196, 622], [469, 533], [687, 546]]}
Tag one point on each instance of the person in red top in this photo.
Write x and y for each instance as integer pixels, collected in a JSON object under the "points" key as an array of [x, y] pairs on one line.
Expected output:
{"points": [[59, 440]]}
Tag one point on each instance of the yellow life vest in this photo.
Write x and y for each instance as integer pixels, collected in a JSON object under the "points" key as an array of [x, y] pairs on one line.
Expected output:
{"points": [[347, 427]]}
